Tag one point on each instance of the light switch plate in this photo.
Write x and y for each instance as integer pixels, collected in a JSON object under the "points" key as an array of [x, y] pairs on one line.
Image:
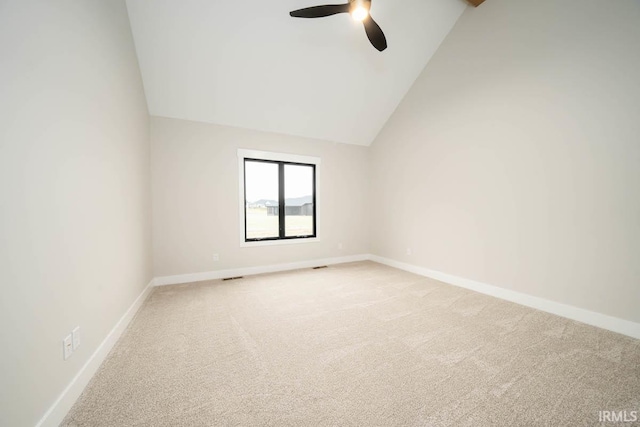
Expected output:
{"points": [[67, 346]]}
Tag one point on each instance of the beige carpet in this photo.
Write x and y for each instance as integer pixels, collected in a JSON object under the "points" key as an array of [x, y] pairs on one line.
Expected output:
{"points": [[355, 345]]}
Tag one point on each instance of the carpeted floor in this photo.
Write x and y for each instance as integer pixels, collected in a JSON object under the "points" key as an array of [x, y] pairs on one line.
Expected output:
{"points": [[355, 345]]}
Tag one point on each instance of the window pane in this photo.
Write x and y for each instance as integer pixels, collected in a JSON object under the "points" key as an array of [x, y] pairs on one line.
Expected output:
{"points": [[298, 191], [261, 196]]}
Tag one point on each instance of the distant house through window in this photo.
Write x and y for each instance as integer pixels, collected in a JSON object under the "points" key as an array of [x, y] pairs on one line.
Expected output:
{"points": [[278, 193]]}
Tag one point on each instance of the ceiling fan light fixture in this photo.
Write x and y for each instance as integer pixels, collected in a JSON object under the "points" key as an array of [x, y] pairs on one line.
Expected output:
{"points": [[359, 11]]}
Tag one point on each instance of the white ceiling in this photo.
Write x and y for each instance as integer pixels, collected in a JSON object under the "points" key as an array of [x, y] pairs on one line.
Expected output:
{"points": [[249, 64]]}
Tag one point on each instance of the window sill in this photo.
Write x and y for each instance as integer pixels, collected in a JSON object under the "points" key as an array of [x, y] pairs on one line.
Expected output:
{"points": [[279, 242]]}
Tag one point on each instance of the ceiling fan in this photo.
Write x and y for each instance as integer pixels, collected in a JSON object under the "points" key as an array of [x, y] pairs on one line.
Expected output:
{"points": [[359, 10]]}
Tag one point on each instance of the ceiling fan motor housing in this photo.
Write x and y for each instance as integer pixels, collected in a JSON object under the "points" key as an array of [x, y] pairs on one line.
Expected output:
{"points": [[354, 4]]}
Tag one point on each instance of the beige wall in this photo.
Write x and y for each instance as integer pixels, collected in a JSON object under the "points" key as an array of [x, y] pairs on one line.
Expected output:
{"points": [[74, 191], [515, 158], [195, 197]]}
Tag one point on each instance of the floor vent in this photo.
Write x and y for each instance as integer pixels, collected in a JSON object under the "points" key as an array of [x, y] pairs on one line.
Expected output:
{"points": [[318, 268], [232, 278]]}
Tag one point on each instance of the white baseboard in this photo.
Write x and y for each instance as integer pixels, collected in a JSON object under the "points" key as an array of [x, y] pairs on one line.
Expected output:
{"points": [[56, 413], [599, 320], [603, 321], [248, 271]]}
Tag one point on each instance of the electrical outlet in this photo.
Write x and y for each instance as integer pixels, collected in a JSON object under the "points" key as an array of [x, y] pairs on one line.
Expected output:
{"points": [[216, 257], [340, 246], [409, 251], [67, 346], [75, 334]]}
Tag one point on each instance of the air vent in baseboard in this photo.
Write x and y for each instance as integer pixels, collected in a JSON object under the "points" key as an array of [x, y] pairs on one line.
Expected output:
{"points": [[232, 278], [318, 268]]}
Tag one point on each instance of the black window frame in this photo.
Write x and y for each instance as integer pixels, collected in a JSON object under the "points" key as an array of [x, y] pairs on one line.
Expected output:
{"points": [[281, 201]]}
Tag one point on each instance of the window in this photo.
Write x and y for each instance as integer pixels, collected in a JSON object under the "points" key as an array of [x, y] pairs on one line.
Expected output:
{"points": [[278, 198]]}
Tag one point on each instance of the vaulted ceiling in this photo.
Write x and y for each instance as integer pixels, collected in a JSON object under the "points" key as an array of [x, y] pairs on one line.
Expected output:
{"points": [[249, 64]]}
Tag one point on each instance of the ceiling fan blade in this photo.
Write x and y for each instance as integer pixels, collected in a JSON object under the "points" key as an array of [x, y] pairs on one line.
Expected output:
{"points": [[320, 11], [375, 34]]}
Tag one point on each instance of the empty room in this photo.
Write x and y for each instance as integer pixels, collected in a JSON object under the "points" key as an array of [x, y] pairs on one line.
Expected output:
{"points": [[307, 213]]}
